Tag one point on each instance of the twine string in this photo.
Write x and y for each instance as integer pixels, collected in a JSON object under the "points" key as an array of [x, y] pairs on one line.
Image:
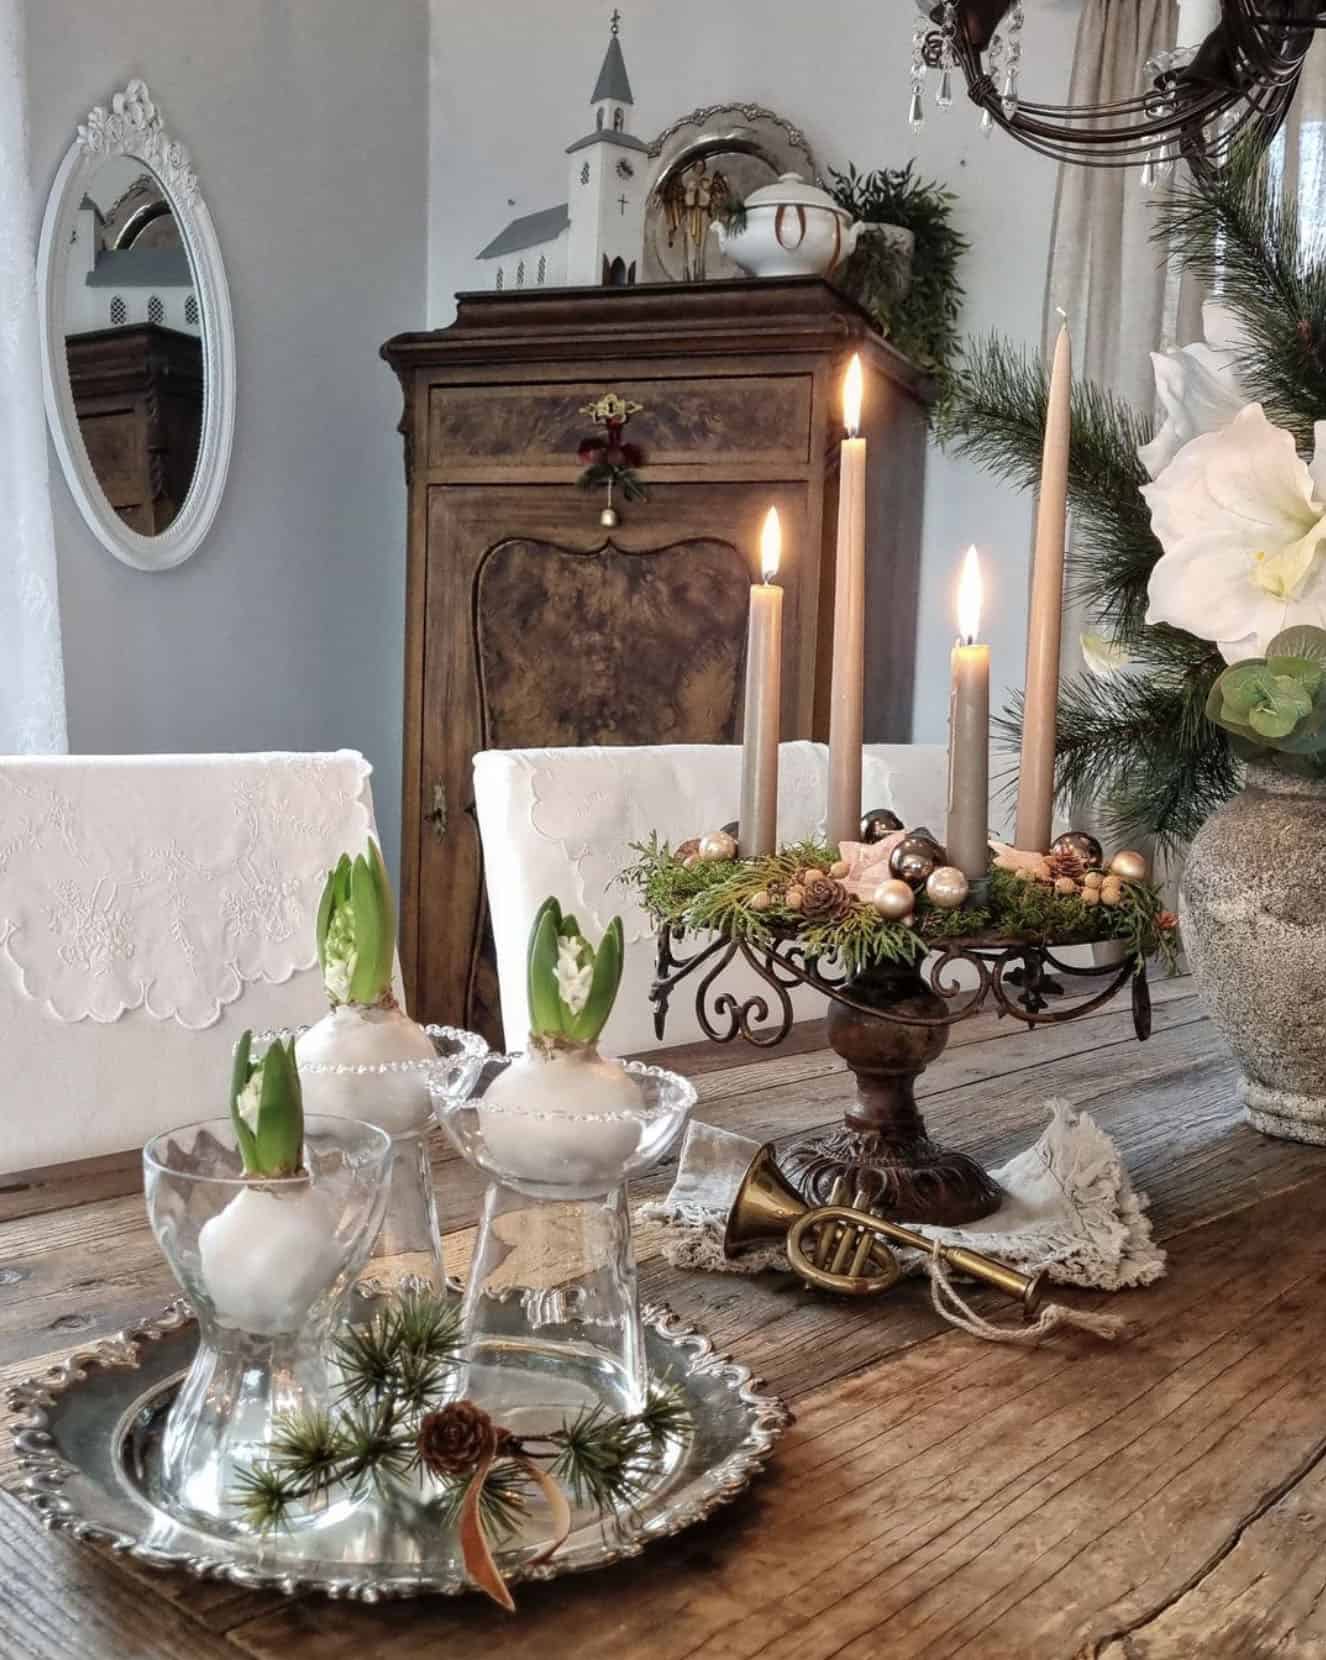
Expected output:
{"points": [[1053, 1317]]}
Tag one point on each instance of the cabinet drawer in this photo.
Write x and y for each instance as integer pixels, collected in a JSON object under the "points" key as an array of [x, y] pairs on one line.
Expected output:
{"points": [[749, 418]]}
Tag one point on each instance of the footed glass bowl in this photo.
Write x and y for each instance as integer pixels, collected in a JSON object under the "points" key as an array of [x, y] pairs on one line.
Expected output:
{"points": [[551, 1312], [267, 1266]]}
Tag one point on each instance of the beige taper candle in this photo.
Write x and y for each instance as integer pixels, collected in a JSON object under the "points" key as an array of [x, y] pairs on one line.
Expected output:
{"points": [[843, 820], [757, 827], [1036, 774], [967, 835]]}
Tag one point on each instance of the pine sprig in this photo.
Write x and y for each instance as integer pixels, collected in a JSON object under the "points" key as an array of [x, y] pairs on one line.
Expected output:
{"points": [[408, 1351], [504, 1502]]}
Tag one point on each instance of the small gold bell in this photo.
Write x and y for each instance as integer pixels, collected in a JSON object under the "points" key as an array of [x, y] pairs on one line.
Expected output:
{"points": [[608, 518]]}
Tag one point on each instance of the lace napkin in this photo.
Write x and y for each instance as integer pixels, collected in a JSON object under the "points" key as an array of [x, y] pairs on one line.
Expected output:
{"points": [[1069, 1207]]}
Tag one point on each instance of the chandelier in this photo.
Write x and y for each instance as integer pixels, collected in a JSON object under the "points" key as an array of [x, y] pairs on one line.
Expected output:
{"points": [[1193, 102]]}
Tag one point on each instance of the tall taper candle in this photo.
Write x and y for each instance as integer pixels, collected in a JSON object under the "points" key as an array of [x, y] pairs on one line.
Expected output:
{"points": [[843, 822], [1036, 775], [757, 827], [967, 837]]}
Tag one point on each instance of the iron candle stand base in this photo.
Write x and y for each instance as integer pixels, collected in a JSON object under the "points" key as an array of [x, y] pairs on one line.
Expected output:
{"points": [[888, 1023]]}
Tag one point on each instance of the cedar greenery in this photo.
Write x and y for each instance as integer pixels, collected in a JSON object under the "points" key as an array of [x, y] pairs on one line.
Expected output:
{"points": [[1139, 742], [923, 324], [716, 897]]}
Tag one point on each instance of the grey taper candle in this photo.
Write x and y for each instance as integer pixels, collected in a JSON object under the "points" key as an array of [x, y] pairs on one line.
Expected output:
{"points": [[967, 835], [757, 828]]}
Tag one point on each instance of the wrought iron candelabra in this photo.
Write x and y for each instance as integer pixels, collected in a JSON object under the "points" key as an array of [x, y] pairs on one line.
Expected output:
{"points": [[888, 1022]]}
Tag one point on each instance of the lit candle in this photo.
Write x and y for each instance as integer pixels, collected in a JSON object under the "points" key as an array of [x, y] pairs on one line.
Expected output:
{"points": [[1036, 774], [849, 624], [757, 827], [968, 834]]}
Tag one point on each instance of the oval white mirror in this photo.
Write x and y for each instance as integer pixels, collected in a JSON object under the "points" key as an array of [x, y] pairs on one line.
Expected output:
{"points": [[138, 344]]}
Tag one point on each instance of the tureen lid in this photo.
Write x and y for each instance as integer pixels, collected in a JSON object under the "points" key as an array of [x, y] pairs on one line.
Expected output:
{"points": [[791, 190]]}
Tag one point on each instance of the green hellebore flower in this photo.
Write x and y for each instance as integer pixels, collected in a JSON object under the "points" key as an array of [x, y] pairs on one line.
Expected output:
{"points": [[267, 1108], [572, 986], [357, 930]]}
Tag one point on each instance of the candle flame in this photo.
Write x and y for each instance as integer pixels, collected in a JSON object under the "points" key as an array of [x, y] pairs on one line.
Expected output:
{"points": [[771, 544], [852, 396], [969, 599]]}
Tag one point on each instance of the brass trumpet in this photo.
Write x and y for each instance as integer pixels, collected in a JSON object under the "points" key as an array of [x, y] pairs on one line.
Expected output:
{"points": [[845, 1248]]}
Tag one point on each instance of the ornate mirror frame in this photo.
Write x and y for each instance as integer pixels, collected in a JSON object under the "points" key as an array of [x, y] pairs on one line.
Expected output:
{"points": [[132, 127]]}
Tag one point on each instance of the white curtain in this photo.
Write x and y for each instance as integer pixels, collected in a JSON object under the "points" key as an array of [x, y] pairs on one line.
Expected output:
{"points": [[32, 712]]}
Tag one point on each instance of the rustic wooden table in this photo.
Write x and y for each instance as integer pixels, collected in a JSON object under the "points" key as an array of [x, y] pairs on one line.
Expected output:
{"points": [[937, 1496]]}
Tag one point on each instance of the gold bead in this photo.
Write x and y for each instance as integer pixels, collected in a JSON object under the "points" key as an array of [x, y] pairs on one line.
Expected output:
{"points": [[1131, 865], [947, 887], [1111, 892], [839, 868], [1091, 896], [717, 846], [1065, 885], [759, 901], [893, 899], [794, 899], [1092, 879]]}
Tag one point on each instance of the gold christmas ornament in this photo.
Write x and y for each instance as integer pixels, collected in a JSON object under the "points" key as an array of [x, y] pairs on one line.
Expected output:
{"points": [[689, 846], [947, 887], [717, 846], [894, 899], [1131, 865], [1083, 846], [794, 899], [1091, 896], [760, 901], [1111, 892], [839, 868], [1092, 879], [609, 518], [1065, 885]]}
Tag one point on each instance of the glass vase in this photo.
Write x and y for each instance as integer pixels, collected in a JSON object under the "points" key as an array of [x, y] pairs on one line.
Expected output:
{"points": [[552, 1312], [407, 1253], [267, 1266]]}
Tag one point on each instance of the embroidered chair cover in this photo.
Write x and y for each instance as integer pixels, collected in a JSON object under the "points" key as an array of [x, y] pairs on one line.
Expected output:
{"points": [[562, 821], [151, 907]]}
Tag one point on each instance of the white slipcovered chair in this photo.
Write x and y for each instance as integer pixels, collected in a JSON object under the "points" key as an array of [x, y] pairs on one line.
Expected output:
{"points": [[151, 907], [562, 821]]}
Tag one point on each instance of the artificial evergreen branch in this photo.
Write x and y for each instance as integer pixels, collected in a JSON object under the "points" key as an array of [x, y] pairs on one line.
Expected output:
{"points": [[387, 1429]]}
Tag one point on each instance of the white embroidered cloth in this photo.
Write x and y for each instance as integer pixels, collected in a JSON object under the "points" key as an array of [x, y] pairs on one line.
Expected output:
{"points": [[1070, 1208], [168, 883]]}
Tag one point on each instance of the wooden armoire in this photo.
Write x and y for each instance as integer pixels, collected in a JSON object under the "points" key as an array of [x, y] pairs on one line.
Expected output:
{"points": [[528, 623]]}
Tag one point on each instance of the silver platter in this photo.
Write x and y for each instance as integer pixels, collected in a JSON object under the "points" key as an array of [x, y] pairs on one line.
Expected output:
{"points": [[88, 1438]]}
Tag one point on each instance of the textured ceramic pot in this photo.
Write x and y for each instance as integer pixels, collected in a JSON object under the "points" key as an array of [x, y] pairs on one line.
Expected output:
{"points": [[1252, 907]]}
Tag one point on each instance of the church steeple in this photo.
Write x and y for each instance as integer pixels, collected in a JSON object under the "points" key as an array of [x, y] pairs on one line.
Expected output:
{"points": [[613, 84]]}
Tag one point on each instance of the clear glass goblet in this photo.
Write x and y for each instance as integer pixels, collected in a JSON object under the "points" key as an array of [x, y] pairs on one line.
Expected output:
{"points": [[267, 1266], [407, 1253], [552, 1310]]}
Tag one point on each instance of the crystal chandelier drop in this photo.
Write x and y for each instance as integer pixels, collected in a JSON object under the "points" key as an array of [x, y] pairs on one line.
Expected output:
{"points": [[1194, 103]]}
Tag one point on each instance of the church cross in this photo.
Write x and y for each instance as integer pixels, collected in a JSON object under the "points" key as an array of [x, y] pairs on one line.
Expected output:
{"points": [[616, 20], [621, 203]]}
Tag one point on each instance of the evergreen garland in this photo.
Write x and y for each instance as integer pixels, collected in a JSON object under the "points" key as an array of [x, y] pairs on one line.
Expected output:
{"points": [[1138, 742]]}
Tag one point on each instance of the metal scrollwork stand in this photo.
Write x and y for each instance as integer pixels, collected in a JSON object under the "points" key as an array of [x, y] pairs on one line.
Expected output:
{"points": [[888, 1022]]}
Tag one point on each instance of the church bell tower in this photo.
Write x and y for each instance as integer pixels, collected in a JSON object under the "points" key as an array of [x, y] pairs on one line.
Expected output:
{"points": [[607, 184]]}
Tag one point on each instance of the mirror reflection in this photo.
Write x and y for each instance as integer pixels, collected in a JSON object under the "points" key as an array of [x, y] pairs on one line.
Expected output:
{"points": [[133, 342]]}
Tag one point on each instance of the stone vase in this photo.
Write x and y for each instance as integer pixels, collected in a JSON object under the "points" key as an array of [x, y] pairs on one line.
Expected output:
{"points": [[1252, 907]]}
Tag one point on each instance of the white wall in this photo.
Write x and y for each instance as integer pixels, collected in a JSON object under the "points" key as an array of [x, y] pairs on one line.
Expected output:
{"points": [[307, 123], [510, 89]]}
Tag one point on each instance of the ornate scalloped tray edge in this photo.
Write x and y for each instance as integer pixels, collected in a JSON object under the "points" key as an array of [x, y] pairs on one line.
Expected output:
{"points": [[76, 1418]]}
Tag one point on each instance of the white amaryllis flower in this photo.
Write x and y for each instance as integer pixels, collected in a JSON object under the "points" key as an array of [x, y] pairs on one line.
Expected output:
{"points": [[1242, 520], [1102, 656], [1196, 387], [573, 978]]}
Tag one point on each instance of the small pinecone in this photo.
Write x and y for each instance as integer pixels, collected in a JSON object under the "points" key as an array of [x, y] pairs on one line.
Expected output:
{"points": [[826, 899], [1065, 864], [455, 1440]]}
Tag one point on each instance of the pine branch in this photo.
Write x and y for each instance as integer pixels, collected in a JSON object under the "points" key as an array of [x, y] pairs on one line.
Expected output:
{"points": [[407, 1351], [1240, 235]]}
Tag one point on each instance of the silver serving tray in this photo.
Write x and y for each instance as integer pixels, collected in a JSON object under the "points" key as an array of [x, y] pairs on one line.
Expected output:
{"points": [[88, 1437]]}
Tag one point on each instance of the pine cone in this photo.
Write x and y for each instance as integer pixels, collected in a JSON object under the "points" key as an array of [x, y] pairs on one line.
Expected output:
{"points": [[825, 899], [1066, 864], [455, 1440]]}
